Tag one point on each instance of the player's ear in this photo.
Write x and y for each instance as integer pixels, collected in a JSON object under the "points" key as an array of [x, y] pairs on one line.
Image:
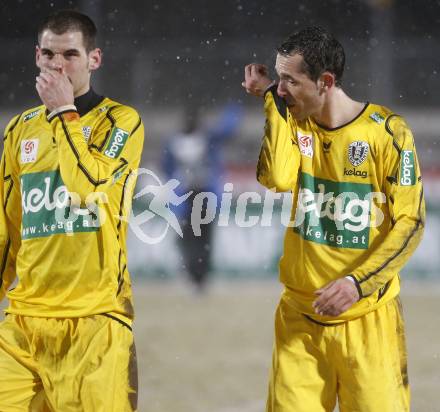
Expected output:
{"points": [[37, 55], [95, 59], [327, 80]]}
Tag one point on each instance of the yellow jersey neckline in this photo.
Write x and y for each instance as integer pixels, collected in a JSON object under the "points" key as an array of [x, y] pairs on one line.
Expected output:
{"points": [[332, 129]]}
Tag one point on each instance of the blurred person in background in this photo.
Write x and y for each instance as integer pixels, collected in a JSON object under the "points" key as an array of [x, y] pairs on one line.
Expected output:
{"points": [[67, 343], [358, 216], [195, 158]]}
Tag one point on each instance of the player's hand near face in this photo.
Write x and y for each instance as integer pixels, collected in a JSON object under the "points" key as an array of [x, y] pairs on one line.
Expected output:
{"points": [[54, 88], [336, 297], [256, 79]]}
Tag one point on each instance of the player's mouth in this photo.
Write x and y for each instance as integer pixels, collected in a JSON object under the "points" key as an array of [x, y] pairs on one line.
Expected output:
{"points": [[290, 104]]}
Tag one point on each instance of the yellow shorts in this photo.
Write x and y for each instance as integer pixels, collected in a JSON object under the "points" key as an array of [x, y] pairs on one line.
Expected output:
{"points": [[67, 365], [362, 363]]}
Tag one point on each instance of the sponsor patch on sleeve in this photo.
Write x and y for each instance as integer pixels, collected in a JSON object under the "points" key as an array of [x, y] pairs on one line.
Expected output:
{"points": [[31, 115], [407, 168], [118, 175], [377, 117], [116, 143]]}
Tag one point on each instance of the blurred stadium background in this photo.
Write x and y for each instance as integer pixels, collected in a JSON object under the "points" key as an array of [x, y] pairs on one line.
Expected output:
{"points": [[212, 353]]}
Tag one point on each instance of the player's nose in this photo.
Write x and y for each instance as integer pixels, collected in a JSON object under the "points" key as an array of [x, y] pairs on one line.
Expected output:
{"points": [[281, 91], [57, 62]]}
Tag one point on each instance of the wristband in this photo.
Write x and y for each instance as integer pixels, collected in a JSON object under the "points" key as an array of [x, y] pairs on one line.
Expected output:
{"points": [[61, 109], [356, 283]]}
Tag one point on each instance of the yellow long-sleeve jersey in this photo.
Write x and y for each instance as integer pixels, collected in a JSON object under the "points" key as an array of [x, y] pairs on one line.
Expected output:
{"points": [[64, 185], [358, 202]]}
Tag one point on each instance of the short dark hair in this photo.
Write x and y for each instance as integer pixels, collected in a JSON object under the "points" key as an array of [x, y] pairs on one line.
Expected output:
{"points": [[320, 50], [63, 21]]}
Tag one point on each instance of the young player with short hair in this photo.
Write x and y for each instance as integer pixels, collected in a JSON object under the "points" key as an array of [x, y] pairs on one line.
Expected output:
{"points": [[66, 343], [358, 216]]}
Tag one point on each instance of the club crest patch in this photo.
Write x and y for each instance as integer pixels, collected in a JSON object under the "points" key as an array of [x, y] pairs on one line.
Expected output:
{"points": [[87, 131], [29, 149], [358, 152], [305, 145]]}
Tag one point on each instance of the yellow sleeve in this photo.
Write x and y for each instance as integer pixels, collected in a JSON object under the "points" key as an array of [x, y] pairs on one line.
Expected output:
{"points": [[86, 169], [404, 194], [279, 158], [10, 212]]}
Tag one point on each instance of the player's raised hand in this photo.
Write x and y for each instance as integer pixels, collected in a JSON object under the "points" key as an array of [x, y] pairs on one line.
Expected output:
{"points": [[54, 88], [256, 79], [336, 297]]}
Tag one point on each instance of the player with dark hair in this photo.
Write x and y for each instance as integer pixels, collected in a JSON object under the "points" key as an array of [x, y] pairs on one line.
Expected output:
{"points": [[358, 215], [70, 21], [66, 343]]}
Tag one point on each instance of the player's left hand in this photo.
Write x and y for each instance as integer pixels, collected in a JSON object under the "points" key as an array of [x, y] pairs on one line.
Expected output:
{"points": [[336, 297], [54, 88]]}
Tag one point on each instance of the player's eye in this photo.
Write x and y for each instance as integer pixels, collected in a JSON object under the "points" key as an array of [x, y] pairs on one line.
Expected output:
{"points": [[288, 80], [47, 53], [70, 54]]}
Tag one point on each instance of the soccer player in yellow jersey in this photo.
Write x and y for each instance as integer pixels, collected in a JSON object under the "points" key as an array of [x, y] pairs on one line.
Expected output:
{"points": [[66, 343], [358, 215]]}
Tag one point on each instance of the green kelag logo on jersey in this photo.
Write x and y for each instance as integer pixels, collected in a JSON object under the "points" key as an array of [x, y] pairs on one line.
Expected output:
{"points": [[116, 143], [407, 170], [335, 213], [47, 209]]}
